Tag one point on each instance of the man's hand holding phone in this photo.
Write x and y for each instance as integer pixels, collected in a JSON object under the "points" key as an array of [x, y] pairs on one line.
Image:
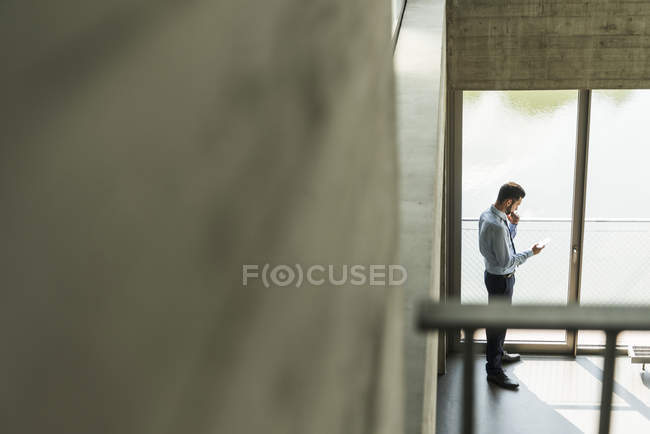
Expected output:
{"points": [[539, 246]]}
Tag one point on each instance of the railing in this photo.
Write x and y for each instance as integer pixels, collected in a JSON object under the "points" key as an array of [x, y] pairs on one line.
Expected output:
{"points": [[612, 320], [609, 244]]}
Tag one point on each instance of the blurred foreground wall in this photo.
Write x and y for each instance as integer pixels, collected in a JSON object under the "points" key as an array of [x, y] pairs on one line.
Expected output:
{"points": [[148, 150]]}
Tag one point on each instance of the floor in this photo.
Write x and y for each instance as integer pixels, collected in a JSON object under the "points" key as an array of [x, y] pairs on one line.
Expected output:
{"points": [[556, 395]]}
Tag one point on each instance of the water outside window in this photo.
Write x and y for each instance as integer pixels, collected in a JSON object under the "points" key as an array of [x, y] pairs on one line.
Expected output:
{"points": [[527, 137]]}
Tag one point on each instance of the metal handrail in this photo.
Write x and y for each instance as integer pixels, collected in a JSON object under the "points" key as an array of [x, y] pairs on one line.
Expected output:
{"points": [[612, 320]]}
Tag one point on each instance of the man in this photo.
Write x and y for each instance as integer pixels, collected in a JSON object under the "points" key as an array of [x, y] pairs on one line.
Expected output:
{"points": [[496, 228]]}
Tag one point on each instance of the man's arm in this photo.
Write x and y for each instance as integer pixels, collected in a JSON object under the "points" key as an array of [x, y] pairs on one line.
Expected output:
{"points": [[513, 230], [501, 250], [513, 221], [485, 241]]}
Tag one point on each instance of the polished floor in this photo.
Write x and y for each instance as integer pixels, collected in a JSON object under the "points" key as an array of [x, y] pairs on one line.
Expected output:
{"points": [[556, 395]]}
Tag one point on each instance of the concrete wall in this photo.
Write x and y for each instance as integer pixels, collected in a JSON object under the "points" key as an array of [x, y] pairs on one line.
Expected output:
{"points": [[149, 150], [420, 74], [548, 44]]}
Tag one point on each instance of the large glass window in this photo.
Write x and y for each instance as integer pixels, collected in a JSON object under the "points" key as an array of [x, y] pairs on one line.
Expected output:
{"points": [[616, 258], [527, 137]]}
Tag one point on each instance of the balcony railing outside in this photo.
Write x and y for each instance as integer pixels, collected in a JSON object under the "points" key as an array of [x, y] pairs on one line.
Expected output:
{"points": [[615, 268]]}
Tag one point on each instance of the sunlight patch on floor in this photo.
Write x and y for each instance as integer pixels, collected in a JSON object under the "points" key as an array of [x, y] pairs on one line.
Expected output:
{"points": [[573, 390], [560, 382]]}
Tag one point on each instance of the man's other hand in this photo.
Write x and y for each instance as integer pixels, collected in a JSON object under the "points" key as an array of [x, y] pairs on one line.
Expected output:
{"points": [[536, 249], [514, 218]]}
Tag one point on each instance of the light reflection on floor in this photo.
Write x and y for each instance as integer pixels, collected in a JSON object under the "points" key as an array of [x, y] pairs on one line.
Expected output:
{"points": [[572, 388]]}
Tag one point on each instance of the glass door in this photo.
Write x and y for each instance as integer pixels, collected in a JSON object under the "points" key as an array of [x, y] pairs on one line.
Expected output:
{"points": [[616, 247], [528, 137]]}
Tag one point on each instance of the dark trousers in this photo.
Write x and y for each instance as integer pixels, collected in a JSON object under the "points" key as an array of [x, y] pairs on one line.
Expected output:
{"points": [[499, 290]]}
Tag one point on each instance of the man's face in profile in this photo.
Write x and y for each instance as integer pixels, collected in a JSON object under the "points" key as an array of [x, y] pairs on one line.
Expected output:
{"points": [[512, 206]]}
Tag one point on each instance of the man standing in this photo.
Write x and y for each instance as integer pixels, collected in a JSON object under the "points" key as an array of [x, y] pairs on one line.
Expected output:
{"points": [[496, 228]]}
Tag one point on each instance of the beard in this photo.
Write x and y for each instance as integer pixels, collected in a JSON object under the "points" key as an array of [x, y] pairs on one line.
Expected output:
{"points": [[509, 209]]}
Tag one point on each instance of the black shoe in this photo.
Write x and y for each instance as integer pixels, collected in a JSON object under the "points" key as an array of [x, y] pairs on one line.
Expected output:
{"points": [[510, 358], [502, 380]]}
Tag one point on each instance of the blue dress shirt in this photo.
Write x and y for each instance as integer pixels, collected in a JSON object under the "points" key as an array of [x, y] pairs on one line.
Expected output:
{"points": [[495, 240]]}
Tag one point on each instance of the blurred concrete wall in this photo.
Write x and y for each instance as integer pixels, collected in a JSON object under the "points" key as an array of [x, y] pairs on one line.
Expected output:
{"points": [[149, 150]]}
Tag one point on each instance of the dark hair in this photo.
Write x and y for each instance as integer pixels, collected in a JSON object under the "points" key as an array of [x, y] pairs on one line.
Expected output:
{"points": [[511, 190]]}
